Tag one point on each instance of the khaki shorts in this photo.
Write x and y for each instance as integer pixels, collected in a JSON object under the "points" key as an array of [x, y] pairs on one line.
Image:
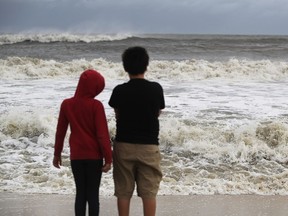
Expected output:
{"points": [[136, 163]]}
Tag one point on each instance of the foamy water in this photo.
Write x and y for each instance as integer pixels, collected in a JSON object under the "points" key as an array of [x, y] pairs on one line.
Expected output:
{"points": [[217, 135], [224, 129], [242, 70]]}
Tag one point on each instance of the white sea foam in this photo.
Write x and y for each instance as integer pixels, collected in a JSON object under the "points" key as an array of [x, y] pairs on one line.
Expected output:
{"points": [[217, 136], [197, 159], [63, 37], [265, 70]]}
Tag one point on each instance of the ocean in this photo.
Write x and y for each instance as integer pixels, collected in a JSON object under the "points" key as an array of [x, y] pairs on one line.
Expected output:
{"points": [[224, 129]]}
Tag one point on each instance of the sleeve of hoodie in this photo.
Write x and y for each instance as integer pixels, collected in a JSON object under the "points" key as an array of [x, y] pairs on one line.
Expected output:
{"points": [[102, 133], [60, 131]]}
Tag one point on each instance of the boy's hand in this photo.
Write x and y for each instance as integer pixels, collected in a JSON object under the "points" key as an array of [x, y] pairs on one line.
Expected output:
{"points": [[57, 162], [106, 168]]}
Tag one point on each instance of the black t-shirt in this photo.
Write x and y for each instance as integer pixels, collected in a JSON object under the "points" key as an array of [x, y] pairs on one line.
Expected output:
{"points": [[138, 103]]}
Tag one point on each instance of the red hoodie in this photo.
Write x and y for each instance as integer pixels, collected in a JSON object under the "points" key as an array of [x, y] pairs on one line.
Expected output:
{"points": [[89, 138]]}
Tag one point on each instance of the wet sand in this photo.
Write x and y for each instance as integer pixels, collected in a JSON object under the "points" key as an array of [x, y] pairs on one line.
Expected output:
{"points": [[12, 204]]}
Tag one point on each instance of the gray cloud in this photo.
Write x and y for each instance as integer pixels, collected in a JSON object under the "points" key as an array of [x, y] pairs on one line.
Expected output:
{"points": [[149, 16]]}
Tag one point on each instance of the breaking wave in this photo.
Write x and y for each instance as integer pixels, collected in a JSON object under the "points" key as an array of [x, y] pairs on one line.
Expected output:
{"points": [[50, 38], [263, 70]]}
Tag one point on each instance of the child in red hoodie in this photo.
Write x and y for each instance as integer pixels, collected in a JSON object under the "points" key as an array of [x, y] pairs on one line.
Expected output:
{"points": [[89, 140]]}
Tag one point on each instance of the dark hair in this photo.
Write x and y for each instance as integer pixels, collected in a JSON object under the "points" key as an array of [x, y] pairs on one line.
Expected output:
{"points": [[135, 60]]}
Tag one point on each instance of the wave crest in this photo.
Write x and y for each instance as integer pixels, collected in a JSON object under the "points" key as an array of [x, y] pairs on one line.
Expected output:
{"points": [[262, 70], [64, 37], [22, 122]]}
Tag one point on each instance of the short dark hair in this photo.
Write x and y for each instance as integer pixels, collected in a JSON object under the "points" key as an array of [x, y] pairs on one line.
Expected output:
{"points": [[135, 60]]}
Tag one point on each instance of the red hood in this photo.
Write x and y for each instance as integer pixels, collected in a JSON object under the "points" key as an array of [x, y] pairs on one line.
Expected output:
{"points": [[90, 84]]}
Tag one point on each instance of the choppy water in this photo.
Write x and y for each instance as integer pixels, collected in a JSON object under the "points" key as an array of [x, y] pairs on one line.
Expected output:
{"points": [[224, 129]]}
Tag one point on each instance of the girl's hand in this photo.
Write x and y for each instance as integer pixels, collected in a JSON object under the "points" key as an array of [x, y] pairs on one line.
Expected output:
{"points": [[57, 162], [106, 168]]}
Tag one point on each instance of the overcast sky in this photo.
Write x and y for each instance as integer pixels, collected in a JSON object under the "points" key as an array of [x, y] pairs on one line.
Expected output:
{"points": [[145, 16]]}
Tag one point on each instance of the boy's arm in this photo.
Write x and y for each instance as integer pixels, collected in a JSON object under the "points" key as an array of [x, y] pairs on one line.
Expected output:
{"points": [[116, 113]]}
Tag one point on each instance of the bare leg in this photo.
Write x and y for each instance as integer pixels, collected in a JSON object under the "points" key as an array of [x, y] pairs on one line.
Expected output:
{"points": [[149, 206], [123, 206]]}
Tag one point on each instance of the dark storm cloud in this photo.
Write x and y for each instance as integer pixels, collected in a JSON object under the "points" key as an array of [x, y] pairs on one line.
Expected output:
{"points": [[157, 16]]}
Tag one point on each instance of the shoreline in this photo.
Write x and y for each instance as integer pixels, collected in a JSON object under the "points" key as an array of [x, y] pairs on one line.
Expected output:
{"points": [[12, 204]]}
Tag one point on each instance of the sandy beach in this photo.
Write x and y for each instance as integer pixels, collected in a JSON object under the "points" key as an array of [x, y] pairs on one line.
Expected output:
{"points": [[12, 204]]}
